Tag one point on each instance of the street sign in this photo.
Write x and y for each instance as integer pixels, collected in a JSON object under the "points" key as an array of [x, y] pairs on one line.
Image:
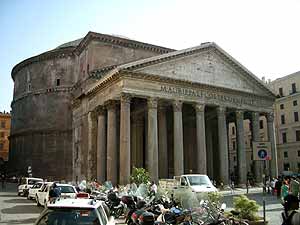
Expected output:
{"points": [[261, 150]]}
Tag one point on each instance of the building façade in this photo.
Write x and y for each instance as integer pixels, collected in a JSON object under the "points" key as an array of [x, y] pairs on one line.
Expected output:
{"points": [[96, 107]]}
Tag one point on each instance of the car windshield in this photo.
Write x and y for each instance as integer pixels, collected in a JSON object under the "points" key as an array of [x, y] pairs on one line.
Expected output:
{"points": [[69, 217], [31, 181], [199, 180], [66, 189], [37, 185]]}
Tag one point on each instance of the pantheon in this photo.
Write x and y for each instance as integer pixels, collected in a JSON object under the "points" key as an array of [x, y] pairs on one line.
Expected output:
{"points": [[96, 107]]}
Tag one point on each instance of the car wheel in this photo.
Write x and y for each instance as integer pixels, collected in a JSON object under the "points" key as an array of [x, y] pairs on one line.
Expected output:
{"points": [[37, 201]]}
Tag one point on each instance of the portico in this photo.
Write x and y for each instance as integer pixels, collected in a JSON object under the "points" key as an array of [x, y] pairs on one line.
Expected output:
{"points": [[170, 114]]}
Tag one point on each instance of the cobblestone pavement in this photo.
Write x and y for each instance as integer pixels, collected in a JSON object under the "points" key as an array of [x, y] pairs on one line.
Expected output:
{"points": [[15, 209], [19, 210], [273, 205]]}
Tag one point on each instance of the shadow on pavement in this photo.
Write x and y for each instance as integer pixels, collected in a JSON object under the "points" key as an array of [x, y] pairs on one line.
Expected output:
{"points": [[274, 210], [22, 209], [8, 196], [18, 200], [25, 221]]}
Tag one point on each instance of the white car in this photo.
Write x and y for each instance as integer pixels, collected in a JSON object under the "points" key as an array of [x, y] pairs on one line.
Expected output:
{"points": [[66, 190], [26, 183], [197, 183], [34, 189], [76, 211]]}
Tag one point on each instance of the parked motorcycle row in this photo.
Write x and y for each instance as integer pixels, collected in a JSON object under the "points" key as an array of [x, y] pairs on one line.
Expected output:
{"points": [[139, 207]]}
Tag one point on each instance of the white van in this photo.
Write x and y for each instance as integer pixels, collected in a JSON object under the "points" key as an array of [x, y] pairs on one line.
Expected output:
{"points": [[26, 183]]}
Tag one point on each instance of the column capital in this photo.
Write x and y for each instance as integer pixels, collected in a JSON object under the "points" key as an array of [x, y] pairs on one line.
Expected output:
{"points": [[177, 106], [93, 114], [111, 104], [199, 107], [239, 114], [221, 110], [152, 103], [255, 114], [125, 98], [100, 110], [270, 116]]}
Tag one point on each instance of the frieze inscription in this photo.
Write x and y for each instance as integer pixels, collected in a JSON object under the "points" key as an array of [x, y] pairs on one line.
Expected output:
{"points": [[208, 95]]}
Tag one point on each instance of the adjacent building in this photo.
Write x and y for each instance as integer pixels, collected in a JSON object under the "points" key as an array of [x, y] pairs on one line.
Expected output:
{"points": [[4, 134], [287, 124], [95, 107]]}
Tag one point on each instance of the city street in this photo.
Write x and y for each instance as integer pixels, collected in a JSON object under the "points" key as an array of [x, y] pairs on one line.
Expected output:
{"points": [[19, 210]]}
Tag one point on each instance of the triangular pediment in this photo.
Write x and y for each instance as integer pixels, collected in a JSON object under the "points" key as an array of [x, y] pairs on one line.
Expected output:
{"points": [[209, 66]]}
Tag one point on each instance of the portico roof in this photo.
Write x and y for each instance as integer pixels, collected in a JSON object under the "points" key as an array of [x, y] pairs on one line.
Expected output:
{"points": [[143, 63]]}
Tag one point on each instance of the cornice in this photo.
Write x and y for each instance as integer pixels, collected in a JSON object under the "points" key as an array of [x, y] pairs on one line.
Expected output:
{"points": [[42, 91], [55, 53], [119, 41], [39, 131]]}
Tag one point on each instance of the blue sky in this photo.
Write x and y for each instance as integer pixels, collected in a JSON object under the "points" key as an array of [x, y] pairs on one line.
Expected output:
{"points": [[262, 35]]}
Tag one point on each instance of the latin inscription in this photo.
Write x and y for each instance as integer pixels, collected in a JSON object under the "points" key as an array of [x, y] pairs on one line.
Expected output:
{"points": [[207, 95]]}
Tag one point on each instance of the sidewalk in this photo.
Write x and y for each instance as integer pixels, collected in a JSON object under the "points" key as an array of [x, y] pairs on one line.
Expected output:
{"points": [[241, 191]]}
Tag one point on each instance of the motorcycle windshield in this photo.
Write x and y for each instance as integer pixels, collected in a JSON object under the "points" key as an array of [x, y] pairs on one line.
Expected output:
{"points": [[186, 198], [108, 185], [142, 191]]}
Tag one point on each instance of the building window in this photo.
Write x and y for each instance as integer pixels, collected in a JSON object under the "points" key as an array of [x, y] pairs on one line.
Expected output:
{"points": [[57, 82], [250, 143], [1, 146], [298, 153], [281, 106], [298, 164], [297, 135], [261, 124], [280, 92], [294, 88], [295, 103], [233, 145], [286, 166], [2, 134], [2, 124], [283, 138], [234, 158], [296, 116], [232, 130], [285, 154], [282, 119]]}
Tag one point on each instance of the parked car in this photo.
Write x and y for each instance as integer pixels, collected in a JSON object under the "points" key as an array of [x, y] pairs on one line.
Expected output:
{"points": [[26, 183], [67, 191], [34, 189], [75, 211]]}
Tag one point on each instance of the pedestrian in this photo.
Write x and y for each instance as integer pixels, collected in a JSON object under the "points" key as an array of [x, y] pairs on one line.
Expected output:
{"points": [[273, 182], [294, 187], [284, 189], [153, 188], [290, 216], [278, 185], [3, 181], [54, 193]]}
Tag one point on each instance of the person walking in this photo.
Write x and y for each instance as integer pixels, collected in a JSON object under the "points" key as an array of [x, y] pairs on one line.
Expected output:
{"points": [[3, 181], [284, 189], [290, 216], [54, 193], [294, 187]]}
